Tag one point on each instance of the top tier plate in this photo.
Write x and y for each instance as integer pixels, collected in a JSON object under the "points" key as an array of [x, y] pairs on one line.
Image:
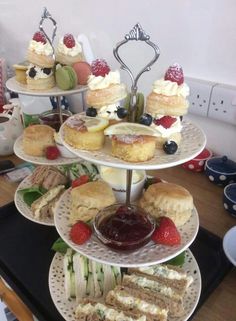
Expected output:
{"points": [[192, 143], [22, 89]]}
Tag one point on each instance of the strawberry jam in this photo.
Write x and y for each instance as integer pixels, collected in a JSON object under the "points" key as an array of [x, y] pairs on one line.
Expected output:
{"points": [[125, 227]]}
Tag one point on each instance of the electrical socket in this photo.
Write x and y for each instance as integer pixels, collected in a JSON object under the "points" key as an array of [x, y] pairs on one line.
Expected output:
{"points": [[223, 103], [200, 94]]}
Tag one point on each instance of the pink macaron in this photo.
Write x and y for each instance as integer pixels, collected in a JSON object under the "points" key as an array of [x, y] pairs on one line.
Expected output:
{"points": [[83, 70], [197, 164]]}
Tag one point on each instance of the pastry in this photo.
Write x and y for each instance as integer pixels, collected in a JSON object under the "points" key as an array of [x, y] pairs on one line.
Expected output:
{"points": [[38, 78], [66, 77], [20, 71], [88, 199], [36, 139], [69, 50], [132, 142], [166, 103], [83, 132], [83, 71], [167, 199], [40, 52]]}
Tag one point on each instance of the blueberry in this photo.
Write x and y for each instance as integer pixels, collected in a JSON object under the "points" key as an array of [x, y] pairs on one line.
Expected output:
{"points": [[121, 112], [47, 71], [91, 111], [32, 72], [145, 119], [170, 147], [181, 118]]}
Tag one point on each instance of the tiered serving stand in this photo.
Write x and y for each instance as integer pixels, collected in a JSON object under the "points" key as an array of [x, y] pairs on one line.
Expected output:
{"points": [[192, 144]]}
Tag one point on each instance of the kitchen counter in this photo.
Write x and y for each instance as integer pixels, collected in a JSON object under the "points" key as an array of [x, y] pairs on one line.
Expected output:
{"points": [[208, 201]]}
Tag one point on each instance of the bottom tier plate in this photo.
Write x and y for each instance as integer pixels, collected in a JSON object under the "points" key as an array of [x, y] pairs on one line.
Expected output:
{"points": [[67, 307]]}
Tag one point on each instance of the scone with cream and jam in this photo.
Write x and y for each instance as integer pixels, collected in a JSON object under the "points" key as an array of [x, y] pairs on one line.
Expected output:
{"points": [[105, 92], [83, 132], [167, 103], [132, 142], [69, 50], [39, 78]]}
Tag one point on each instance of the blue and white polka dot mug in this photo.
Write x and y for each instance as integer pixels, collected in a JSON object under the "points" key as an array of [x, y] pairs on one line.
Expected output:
{"points": [[221, 170], [229, 199]]}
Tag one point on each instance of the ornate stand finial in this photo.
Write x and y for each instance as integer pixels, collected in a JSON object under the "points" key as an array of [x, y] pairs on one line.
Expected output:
{"points": [[46, 15]]}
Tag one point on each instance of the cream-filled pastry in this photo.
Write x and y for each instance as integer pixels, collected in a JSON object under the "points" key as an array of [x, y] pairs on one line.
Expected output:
{"points": [[38, 78], [69, 50]]}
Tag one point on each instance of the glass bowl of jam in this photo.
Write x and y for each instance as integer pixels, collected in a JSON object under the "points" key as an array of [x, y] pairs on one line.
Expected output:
{"points": [[124, 228], [52, 118]]}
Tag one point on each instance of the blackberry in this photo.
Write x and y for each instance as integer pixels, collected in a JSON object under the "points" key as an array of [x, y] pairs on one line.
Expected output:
{"points": [[47, 71], [91, 111], [32, 72]]}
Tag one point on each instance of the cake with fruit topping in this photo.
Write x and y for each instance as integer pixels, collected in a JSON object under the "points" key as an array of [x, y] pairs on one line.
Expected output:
{"points": [[69, 50], [83, 132], [39, 78], [165, 105], [105, 92], [132, 142], [40, 51]]}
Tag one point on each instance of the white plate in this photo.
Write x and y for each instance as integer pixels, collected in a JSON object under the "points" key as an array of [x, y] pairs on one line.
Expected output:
{"points": [[67, 307], [149, 254], [192, 143], [24, 209], [18, 150], [229, 245], [16, 87]]}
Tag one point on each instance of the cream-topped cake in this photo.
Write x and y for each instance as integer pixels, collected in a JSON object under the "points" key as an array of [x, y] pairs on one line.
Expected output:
{"points": [[69, 50]]}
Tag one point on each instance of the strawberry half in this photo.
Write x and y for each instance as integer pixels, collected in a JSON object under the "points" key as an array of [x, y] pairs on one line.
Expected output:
{"points": [[69, 40], [175, 74], [52, 152], [166, 233], [165, 121], [39, 37], [83, 179], [100, 68], [80, 232]]}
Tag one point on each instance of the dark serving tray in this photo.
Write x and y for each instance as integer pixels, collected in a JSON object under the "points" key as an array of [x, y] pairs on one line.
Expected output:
{"points": [[25, 257]]}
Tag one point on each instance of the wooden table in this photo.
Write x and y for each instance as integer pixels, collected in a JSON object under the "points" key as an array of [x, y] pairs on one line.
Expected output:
{"points": [[220, 306]]}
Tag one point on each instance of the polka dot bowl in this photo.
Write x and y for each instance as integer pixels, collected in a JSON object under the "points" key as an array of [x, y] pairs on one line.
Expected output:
{"points": [[197, 164], [229, 199], [221, 170]]}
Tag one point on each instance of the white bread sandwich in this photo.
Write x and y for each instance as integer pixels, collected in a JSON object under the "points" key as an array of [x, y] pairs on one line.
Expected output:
{"points": [[138, 303], [169, 275], [89, 310]]}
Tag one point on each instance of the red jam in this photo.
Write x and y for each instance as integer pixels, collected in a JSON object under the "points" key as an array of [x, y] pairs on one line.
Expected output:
{"points": [[53, 120], [128, 225]]}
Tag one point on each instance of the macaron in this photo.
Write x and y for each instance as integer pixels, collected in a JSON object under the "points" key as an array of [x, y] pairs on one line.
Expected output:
{"points": [[66, 77], [83, 70]]}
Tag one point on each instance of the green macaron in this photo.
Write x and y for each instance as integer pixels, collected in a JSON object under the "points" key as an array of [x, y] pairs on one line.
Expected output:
{"points": [[66, 78]]}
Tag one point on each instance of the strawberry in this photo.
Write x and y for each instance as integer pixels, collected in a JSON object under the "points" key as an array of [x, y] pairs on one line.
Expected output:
{"points": [[69, 40], [80, 232], [100, 68], [80, 181], [166, 233], [52, 152], [39, 37], [165, 121], [175, 74]]}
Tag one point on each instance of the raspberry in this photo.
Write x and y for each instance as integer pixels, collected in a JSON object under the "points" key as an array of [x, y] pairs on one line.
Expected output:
{"points": [[52, 152], [165, 121], [100, 68], [39, 37], [166, 233], [69, 40], [80, 232], [175, 74]]}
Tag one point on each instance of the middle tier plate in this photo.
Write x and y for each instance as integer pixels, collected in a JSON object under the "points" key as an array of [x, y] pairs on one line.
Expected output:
{"points": [[147, 255], [192, 143]]}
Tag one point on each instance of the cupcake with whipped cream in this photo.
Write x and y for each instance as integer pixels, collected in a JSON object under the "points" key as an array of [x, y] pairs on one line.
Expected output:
{"points": [[40, 51], [105, 92], [167, 103], [69, 50]]}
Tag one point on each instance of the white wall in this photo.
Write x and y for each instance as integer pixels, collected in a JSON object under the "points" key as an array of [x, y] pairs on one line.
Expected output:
{"points": [[200, 35]]}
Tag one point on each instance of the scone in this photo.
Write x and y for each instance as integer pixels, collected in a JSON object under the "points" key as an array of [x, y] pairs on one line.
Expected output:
{"points": [[84, 132], [37, 138], [38, 78], [167, 103], [20, 71], [132, 142], [69, 51], [167, 199], [88, 199], [40, 52]]}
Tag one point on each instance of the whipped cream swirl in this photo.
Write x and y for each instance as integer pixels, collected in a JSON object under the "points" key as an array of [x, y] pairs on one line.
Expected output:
{"points": [[74, 51], [109, 112], [99, 82], [41, 48], [170, 88]]}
